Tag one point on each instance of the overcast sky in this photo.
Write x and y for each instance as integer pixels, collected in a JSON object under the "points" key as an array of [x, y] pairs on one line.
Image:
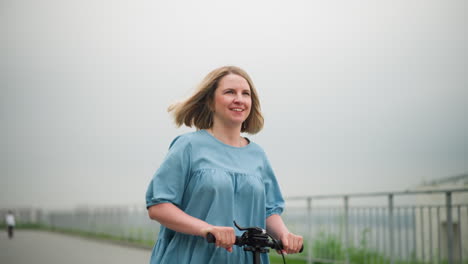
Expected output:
{"points": [[358, 96]]}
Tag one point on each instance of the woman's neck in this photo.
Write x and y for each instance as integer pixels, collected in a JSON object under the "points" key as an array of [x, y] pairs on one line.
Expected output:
{"points": [[229, 136]]}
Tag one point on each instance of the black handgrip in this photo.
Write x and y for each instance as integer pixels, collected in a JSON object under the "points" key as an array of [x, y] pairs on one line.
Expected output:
{"points": [[210, 238]]}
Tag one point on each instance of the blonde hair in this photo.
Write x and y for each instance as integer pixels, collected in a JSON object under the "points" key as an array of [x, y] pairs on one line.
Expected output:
{"points": [[197, 109]]}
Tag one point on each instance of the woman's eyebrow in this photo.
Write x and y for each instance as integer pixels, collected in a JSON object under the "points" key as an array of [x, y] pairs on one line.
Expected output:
{"points": [[230, 88]]}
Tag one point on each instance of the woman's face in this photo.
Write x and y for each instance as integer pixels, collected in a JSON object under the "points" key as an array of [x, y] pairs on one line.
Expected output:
{"points": [[232, 101]]}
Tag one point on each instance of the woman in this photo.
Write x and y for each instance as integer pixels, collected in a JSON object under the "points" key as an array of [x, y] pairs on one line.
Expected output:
{"points": [[214, 176]]}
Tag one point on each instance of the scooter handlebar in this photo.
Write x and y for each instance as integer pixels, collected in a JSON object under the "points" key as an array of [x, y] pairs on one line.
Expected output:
{"points": [[210, 238]]}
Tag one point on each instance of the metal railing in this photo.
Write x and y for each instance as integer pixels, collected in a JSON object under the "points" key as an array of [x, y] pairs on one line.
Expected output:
{"points": [[425, 226], [131, 223], [124, 222]]}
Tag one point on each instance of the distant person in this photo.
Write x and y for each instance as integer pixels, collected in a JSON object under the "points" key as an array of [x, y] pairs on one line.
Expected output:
{"points": [[10, 221], [213, 176]]}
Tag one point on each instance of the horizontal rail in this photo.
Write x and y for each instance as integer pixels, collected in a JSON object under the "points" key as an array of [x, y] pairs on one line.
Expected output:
{"points": [[334, 196]]}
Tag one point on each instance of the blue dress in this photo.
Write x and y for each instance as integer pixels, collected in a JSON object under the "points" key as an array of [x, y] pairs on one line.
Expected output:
{"points": [[216, 183]]}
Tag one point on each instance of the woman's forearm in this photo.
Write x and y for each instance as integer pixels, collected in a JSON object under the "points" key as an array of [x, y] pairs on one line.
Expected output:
{"points": [[275, 226], [173, 218]]}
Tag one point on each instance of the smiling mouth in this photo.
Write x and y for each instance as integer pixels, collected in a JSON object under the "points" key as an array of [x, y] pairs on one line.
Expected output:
{"points": [[237, 109]]}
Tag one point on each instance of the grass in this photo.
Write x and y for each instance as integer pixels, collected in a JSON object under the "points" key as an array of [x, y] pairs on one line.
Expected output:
{"points": [[278, 260], [330, 248]]}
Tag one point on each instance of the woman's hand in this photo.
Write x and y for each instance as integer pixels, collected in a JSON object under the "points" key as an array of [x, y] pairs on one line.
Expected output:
{"points": [[291, 243], [225, 236]]}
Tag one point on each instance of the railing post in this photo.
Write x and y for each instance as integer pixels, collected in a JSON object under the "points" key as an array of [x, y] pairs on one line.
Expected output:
{"points": [[346, 228], [431, 253], [438, 236], [421, 218], [309, 230], [460, 240], [390, 227], [415, 248], [448, 203]]}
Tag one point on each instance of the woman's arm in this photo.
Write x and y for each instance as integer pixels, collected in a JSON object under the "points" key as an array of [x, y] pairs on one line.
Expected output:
{"points": [[275, 226], [175, 219]]}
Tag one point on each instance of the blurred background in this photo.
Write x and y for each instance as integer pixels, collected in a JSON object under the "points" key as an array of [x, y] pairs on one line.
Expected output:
{"points": [[358, 97]]}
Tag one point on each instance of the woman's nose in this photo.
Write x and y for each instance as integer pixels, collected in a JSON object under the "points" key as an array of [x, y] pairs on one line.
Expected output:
{"points": [[238, 98]]}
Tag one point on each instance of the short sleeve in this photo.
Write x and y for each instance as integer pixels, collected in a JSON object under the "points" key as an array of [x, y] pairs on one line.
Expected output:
{"points": [[274, 199], [168, 183]]}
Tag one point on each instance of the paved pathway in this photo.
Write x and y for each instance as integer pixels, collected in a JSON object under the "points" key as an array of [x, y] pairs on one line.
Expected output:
{"points": [[40, 247]]}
